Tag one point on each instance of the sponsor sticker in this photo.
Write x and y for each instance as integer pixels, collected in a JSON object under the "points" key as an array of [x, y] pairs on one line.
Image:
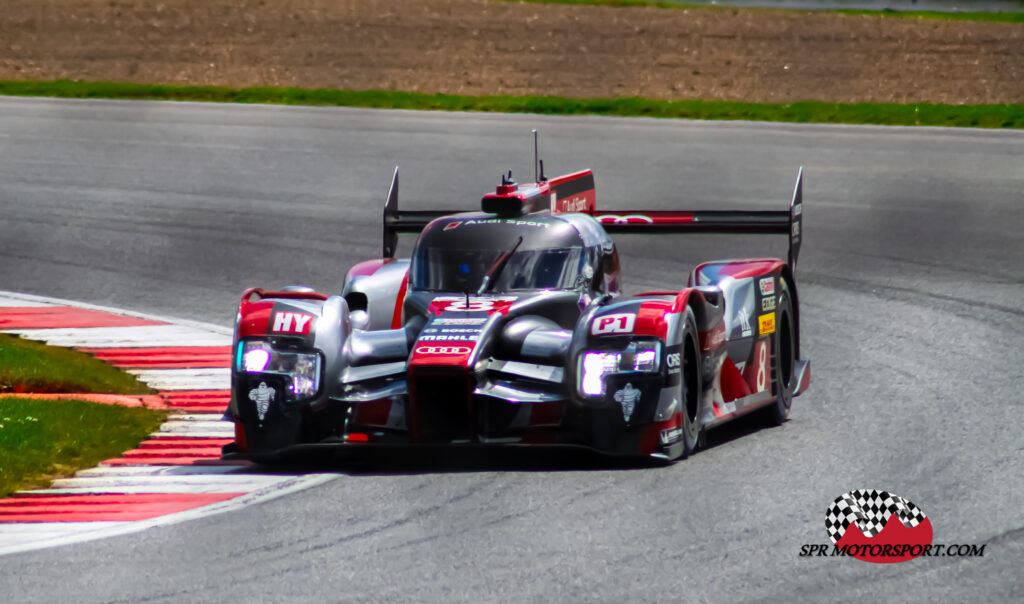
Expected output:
{"points": [[768, 304], [512, 221], [744, 319], [460, 321], [671, 435], [672, 360], [451, 338], [714, 338], [452, 225], [292, 322], [767, 286], [262, 396], [626, 219], [766, 324], [628, 397], [576, 203], [448, 350], [617, 323]]}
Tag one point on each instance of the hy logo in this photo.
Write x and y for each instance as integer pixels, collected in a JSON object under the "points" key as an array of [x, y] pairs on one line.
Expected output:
{"points": [[859, 520]]}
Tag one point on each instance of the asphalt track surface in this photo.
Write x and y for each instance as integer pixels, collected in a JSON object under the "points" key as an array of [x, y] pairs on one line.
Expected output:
{"points": [[913, 315]]}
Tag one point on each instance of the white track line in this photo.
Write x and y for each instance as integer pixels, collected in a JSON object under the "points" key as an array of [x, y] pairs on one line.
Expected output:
{"points": [[124, 337], [141, 479], [185, 379], [38, 539], [33, 300]]}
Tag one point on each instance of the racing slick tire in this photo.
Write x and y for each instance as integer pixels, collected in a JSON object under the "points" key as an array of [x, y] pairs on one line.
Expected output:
{"points": [[690, 390], [783, 360]]}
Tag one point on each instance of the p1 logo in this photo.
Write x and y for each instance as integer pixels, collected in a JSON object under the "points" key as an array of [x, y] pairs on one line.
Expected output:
{"points": [[878, 526]]}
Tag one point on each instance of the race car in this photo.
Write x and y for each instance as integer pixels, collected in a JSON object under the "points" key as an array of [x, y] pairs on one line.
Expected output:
{"points": [[507, 327]]}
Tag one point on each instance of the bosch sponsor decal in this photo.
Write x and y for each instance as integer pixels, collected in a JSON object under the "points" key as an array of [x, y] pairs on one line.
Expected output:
{"points": [[767, 286], [766, 324], [486, 304], [446, 350], [292, 322], [768, 304], [617, 323], [744, 319], [671, 435], [883, 528]]}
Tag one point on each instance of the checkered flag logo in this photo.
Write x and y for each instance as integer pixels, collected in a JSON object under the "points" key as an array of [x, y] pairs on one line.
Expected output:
{"points": [[871, 511]]}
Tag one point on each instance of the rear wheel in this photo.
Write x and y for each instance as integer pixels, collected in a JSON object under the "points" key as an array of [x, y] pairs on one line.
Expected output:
{"points": [[690, 386], [783, 360]]}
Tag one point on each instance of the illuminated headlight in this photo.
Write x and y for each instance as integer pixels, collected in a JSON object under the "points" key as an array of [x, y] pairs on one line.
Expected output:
{"points": [[638, 357], [302, 368]]}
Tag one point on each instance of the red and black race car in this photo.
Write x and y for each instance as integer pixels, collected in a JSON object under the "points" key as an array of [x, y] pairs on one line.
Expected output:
{"points": [[507, 327]]}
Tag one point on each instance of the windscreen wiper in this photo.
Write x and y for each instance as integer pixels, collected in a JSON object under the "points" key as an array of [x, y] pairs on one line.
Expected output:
{"points": [[497, 267]]}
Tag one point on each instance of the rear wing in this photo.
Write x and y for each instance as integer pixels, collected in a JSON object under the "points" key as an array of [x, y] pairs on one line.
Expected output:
{"points": [[407, 221], [781, 222]]}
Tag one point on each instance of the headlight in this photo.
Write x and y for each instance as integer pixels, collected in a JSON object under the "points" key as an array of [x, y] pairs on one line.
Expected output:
{"points": [[638, 357], [303, 368]]}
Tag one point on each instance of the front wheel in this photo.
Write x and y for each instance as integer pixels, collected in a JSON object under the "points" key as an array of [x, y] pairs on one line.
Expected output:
{"points": [[690, 386], [783, 360]]}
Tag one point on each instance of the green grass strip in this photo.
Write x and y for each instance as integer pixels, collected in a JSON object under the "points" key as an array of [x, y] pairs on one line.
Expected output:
{"points": [[923, 114], [27, 366], [998, 17], [40, 440]]}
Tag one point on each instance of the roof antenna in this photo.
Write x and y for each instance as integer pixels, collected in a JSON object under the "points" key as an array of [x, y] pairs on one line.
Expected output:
{"points": [[538, 167]]}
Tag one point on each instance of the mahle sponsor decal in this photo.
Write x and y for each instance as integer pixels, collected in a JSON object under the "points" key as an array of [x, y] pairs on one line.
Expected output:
{"points": [[883, 528]]}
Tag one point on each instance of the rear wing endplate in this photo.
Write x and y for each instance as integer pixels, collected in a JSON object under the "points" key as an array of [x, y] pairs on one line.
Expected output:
{"points": [[715, 221], [408, 221]]}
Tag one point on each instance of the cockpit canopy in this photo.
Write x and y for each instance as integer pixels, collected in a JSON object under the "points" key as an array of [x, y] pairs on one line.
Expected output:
{"points": [[454, 253]]}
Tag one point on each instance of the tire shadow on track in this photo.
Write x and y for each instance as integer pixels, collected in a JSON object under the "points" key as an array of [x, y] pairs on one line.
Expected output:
{"points": [[461, 459], [454, 461]]}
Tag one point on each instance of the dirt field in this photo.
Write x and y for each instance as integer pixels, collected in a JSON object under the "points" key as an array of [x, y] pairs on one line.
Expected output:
{"points": [[492, 47]]}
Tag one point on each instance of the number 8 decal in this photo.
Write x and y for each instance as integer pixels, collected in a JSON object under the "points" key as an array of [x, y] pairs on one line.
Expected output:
{"points": [[762, 365]]}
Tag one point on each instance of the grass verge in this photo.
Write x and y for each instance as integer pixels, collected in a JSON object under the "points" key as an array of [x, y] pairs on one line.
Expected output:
{"points": [[40, 440], [1003, 17], [923, 114], [27, 366]]}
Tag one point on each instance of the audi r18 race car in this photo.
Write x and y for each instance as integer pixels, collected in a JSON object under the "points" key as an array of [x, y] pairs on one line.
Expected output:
{"points": [[507, 327]]}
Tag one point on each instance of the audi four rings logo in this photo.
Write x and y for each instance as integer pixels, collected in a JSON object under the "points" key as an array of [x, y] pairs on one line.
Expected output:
{"points": [[444, 350], [624, 219]]}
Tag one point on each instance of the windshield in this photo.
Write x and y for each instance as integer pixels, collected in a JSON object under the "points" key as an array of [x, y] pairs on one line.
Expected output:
{"points": [[458, 270]]}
